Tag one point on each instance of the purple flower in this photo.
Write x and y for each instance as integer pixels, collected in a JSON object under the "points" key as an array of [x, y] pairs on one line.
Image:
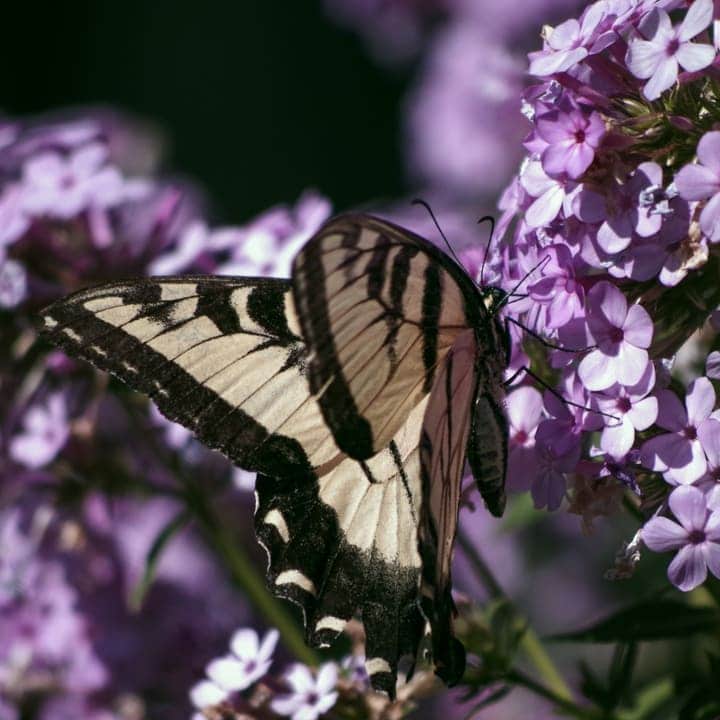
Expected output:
{"points": [[45, 432], [633, 409], [696, 535], [678, 454], [622, 335], [523, 409], [572, 134], [13, 220], [629, 211], [558, 288], [668, 47], [310, 697], [62, 187], [702, 181], [570, 42], [553, 460], [13, 283]]}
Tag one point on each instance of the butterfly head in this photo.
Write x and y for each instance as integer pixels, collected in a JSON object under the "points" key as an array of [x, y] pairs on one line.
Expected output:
{"points": [[494, 298]]}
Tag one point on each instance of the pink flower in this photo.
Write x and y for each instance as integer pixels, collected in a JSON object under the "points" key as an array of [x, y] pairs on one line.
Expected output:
{"points": [[702, 181], [668, 47], [622, 335], [696, 535], [572, 135], [678, 454], [572, 41]]}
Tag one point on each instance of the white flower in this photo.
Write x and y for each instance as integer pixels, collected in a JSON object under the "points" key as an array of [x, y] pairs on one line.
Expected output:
{"points": [[310, 697], [205, 694], [249, 661], [659, 58]]}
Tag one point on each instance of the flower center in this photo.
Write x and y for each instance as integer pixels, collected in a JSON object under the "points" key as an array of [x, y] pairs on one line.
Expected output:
{"points": [[690, 432], [696, 537], [672, 47], [579, 136], [624, 405], [312, 698], [521, 437], [617, 335]]}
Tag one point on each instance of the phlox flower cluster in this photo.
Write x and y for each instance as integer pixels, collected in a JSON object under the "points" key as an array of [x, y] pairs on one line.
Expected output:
{"points": [[611, 229], [81, 202]]}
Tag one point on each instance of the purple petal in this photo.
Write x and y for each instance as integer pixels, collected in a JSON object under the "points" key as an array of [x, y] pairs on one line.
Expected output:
{"points": [[695, 56], [700, 400], [564, 35], [643, 413], [661, 534], [689, 471], [597, 371], [697, 18], [618, 438], [643, 58], [327, 678], [610, 302], [671, 412], [615, 233], [631, 362], [712, 365], [660, 452], [708, 152], [548, 490], [711, 554], [589, 206], [697, 182], [522, 468], [689, 506], [523, 408], [712, 526], [545, 209], [710, 219], [688, 569], [662, 79], [638, 327], [543, 65], [709, 436]]}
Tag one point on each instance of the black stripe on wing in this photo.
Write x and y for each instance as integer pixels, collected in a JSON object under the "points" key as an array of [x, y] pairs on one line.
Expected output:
{"points": [[139, 306], [379, 308]]}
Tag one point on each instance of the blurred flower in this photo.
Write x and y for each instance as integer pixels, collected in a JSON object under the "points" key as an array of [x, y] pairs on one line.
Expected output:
{"points": [[45, 432], [250, 660], [696, 535], [13, 283], [310, 696]]}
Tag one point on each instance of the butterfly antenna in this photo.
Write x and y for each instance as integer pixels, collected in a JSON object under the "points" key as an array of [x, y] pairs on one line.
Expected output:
{"points": [[418, 201], [539, 265], [491, 220]]}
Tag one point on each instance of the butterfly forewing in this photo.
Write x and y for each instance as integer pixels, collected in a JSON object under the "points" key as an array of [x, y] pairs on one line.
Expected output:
{"points": [[379, 309]]}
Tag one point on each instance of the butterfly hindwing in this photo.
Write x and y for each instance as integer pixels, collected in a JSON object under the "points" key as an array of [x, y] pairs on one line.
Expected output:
{"points": [[379, 308]]}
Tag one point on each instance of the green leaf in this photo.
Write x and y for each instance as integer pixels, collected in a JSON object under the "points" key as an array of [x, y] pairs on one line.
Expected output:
{"points": [[139, 592], [654, 620]]}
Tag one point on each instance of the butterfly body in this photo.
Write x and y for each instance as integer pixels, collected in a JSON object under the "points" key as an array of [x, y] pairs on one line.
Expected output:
{"points": [[355, 390]]}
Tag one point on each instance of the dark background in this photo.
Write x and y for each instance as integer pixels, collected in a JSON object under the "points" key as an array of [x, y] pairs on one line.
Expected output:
{"points": [[258, 100]]}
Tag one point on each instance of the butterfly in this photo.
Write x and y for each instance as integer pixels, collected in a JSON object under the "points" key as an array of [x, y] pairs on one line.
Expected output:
{"points": [[355, 389]]}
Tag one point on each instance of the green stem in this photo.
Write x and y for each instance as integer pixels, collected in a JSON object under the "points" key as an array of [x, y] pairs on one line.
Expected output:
{"points": [[245, 577], [530, 642]]}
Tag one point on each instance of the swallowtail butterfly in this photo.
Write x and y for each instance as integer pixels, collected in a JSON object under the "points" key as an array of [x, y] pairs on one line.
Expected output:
{"points": [[355, 390]]}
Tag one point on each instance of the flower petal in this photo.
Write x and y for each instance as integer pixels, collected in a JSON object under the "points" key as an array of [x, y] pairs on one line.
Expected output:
{"points": [[690, 471], [671, 412], [697, 18], [700, 400], [638, 327], [244, 644], [631, 363], [643, 58], [643, 413], [688, 569], [661, 534], [689, 506], [710, 219], [597, 371], [327, 677], [662, 79], [708, 152], [709, 436], [228, 674], [545, 208], [617, 439], [206, 693], [697, 182], [711, 554], [695, 56], [267, 646]]}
